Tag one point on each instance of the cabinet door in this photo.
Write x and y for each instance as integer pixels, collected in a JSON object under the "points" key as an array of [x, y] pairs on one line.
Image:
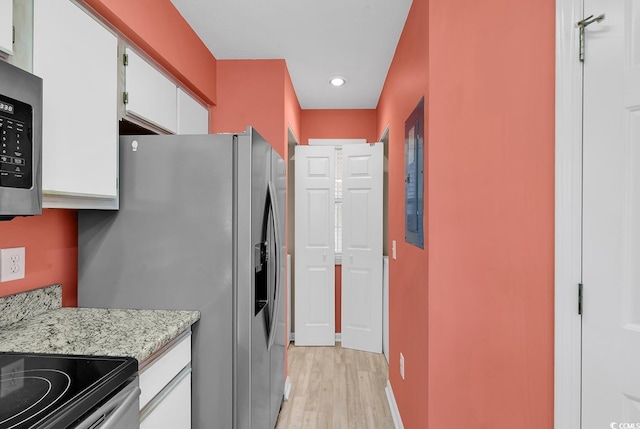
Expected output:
{"points": [[76, 57], [165, 401], [6, 26], [174, 410], [155, 377], [151, 95], [193, 118]]}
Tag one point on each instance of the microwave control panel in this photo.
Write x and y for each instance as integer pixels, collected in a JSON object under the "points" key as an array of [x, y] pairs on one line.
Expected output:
{"points": [[16, 144]]}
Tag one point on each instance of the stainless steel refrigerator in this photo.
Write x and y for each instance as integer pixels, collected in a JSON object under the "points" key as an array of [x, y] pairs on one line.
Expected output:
{"points": [[201, 227]]}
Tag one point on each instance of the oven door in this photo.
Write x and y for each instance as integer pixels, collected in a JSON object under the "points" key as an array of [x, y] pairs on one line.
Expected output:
{"points": [[121, 411]]}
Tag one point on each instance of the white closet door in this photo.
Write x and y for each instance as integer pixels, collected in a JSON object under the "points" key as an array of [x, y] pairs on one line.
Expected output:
{"points": [[611, 217], [362, 247], [315, 246]]}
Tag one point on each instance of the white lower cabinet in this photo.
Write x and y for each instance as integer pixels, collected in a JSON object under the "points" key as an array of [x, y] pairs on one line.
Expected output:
{"points": [[165, 400]]}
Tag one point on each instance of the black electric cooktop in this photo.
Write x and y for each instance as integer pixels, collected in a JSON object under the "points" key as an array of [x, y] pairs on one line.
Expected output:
{"points": [[53, 391]]}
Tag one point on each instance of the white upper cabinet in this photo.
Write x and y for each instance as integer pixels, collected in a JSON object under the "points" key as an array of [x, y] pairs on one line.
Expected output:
{"points": [[151, 96], [6, 27], [77, 58], [193, 118]]}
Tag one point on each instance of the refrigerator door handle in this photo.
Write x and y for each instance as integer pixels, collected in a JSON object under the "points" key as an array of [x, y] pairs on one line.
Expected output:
{"points": [[276, 226]]}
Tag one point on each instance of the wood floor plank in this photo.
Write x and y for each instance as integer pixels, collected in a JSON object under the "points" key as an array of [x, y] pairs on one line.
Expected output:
{"points": [[339, 399], [336, 388], [294, 412]]}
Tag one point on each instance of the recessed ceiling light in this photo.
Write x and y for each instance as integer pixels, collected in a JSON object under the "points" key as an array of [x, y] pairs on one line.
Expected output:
{"points": [[338, 81]]}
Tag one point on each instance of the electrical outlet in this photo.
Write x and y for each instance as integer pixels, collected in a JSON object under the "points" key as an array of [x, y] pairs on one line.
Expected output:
{"points": [[11, 377], [402, 366], [12, 264]]}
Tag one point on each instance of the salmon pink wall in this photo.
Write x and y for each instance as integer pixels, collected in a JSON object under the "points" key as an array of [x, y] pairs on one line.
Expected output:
{"points": [[157, 27], [252, 93], [338, 300], [406, 83], [292, 112], [473, 313], [338, 124], [491, 211], [51, 250]]}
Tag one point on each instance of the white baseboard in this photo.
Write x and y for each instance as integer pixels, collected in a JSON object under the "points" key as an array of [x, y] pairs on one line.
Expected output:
{"points": [[395, 413], [292, 337], [287, 388]]}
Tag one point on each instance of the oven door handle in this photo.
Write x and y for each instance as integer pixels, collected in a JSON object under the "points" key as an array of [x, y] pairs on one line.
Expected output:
{"points": [[110, 414]]}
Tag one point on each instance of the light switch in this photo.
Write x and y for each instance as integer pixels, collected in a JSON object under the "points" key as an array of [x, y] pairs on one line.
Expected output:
{"points": [[393, 249]]}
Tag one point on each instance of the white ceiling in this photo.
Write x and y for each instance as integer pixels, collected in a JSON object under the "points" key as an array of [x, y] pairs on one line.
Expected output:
{"points": [[318, 39]]}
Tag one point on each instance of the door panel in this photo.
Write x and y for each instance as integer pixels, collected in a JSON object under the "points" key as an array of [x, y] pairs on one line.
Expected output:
{"points": [[315, 246], [362, 247], [358, 230], [358, 281], [319, 277], [317, 217], [611, 213]]}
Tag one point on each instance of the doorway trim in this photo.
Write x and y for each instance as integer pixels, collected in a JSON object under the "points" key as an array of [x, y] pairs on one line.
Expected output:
{"points": [[292, 142], [384, 138], [568, 217]]}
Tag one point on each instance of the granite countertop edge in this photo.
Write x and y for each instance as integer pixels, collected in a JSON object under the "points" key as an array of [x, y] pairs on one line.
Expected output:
{"points": [[97, 332]]}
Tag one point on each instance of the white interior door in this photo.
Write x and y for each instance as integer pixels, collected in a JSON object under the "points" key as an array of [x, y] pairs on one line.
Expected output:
{"points": [[362, 247], [611, 217], [315, 246]]}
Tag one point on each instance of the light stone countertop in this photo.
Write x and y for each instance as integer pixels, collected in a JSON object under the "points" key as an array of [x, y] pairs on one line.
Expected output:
{"points": [[98, 332]]}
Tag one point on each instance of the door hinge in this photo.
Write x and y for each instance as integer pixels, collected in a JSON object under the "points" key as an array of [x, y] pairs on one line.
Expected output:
{"points": [[125, 97], [13, 35], [581, 26], [125, 59], [580, 298]]}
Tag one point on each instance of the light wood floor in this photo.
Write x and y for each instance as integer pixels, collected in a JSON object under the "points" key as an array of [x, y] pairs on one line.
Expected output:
{"points": [[335, 388]]}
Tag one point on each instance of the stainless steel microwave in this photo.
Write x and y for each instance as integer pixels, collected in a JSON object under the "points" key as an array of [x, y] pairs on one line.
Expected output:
{"points": [[20, 142]]}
